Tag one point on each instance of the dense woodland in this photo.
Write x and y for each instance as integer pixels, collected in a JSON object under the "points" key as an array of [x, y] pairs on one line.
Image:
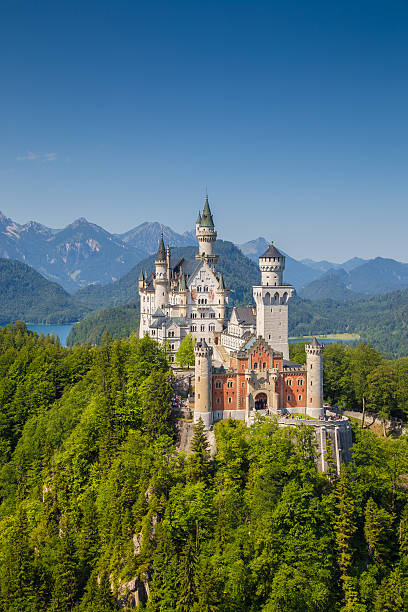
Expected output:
{"points": [[94, 495]]}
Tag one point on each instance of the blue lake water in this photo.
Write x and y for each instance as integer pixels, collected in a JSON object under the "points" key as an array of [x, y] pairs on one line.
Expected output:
{"points": [[61, 331]]}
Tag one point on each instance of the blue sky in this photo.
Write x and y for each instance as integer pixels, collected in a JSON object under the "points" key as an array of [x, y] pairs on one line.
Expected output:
{"points": [[294, 114]]}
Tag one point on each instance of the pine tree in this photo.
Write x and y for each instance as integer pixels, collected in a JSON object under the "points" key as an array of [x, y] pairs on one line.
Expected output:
{"points": [[186, 589], [65, 579], [345, 527], [378, 531], [199, 460], [162, 591], [185, 354]]}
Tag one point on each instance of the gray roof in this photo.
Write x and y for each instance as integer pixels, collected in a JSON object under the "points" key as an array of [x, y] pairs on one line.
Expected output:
{"points": [[315, 342], [291, 364], [245, 315], [167, 322], [271, 251], [158, 313], [188, 266]]}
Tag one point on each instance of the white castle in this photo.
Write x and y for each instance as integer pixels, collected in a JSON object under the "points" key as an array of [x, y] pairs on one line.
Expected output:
{"points": [[242, 365]]}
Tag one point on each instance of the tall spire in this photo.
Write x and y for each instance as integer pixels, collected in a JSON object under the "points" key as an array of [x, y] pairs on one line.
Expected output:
{"points": [[207, 219], [161, 253], [199, 218]]}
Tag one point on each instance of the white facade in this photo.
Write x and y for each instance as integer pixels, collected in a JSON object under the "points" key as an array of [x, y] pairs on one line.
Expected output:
{"points": [[190, 294]]}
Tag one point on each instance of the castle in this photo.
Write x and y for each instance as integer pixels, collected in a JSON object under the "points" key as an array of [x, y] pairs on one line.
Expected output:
{"points": [[242, 365]]}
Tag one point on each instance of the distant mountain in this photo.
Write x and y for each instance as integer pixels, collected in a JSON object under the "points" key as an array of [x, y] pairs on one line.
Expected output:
{"points": [[332, 285], [147, 236], [324, 265], [26, 295], [82, 253], [296, 273]]}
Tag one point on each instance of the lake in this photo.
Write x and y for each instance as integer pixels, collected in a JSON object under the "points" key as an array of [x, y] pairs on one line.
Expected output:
{"points": [[61, 331]]}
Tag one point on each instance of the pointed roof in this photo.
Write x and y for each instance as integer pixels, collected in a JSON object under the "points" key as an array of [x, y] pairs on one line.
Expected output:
{"points": [[271, 251], [141, 275], [207, 219], [161, 253], [199, 218], [221, 286], [315, 343]]}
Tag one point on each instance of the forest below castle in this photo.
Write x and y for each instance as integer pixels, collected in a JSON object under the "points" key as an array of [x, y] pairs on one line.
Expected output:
{"points": [[97, 505]]}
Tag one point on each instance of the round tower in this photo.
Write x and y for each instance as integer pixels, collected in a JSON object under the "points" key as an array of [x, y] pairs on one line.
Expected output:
{"points": [[206, 235], [161, 280], [203, 383], [272, 265], [314, 365]]}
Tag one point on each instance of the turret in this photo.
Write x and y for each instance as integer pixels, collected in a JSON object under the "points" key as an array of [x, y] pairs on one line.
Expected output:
{"points": [[314, 365], [206, 235], [203, 383], [168, 262], [221, 299], [272, 265], [161, 281]]}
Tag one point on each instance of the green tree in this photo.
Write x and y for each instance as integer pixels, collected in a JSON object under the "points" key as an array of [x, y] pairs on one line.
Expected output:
{"points": [[362, 360], [199, 459], [345, 527], [155, 399], [185, 354], [186, 586], [378, 531], [382, 392]]}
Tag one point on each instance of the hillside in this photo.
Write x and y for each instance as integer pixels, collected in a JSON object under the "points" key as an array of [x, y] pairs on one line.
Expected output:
{"points": [[28, 296], [119, 322], [381, 320], [100, 509], [332, 285]]}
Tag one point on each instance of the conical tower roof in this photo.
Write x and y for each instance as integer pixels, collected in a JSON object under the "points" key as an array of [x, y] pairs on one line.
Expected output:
{"points": [[199, 218], [141, 275], [271, 251], [207, 219], [221, 286], [161, 253]]}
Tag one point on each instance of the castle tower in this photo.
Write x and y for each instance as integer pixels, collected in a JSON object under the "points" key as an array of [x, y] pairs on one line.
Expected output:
{"points": [[203, 383], [161, 281], [206, 235], [182, 296], [314, 392], [271, 298], [221, 301]]}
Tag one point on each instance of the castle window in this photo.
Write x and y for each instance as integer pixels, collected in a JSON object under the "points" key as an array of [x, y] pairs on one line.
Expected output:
{"points": [[230, 384], [288, 398], [199, 289], [198, 378], [255, 365], [218, 384], [264, 365], [243, 367], [299, 397], [300, 382], [289, 382], [230, 400], [218, 400], [202, 328], [243, 385]]}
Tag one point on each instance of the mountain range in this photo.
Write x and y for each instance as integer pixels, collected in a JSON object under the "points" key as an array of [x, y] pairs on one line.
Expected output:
{"points": [[84, 255]]}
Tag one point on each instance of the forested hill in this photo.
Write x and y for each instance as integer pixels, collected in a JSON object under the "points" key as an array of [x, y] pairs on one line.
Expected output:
{"points": [[381, 320], [26, 295], [239, 272], [98, 508]]}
